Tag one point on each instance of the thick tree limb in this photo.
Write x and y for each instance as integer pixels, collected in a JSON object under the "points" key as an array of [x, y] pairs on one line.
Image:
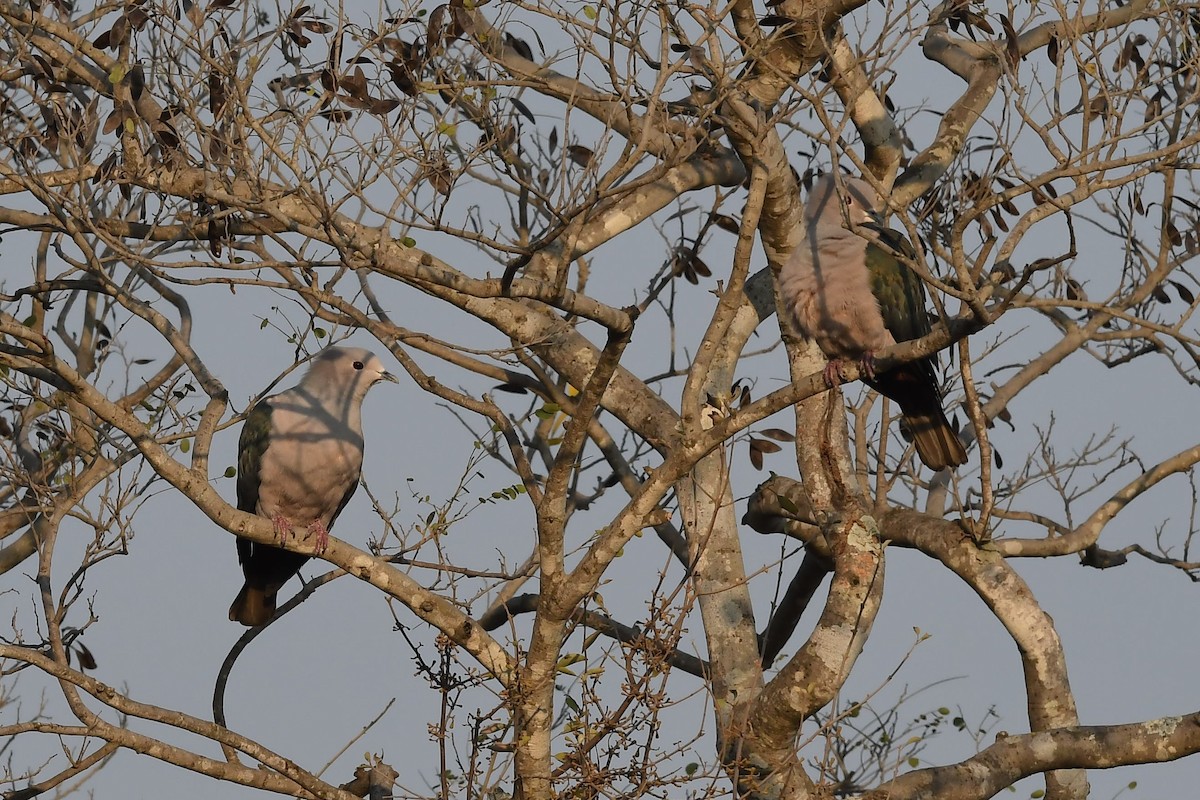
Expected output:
{"points": [[1014, 757]]}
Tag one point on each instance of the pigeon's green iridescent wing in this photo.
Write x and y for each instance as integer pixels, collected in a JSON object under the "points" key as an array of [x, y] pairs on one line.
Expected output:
{"points": [[900, 291], [914, 386], [256, 435]]}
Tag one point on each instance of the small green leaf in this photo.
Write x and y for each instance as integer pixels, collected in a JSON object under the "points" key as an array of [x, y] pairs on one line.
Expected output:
{"points": [[913, 761], [185, 445], [408, 241], [1036, 793], [548, 410], [320, 333], [263, 324], [589, 12], [691, 769], [117, 75], [569, 659], [230, 472]]}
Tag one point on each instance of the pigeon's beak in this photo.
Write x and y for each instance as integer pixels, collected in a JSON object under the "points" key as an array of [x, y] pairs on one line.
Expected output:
{"points": [[387, 376]]}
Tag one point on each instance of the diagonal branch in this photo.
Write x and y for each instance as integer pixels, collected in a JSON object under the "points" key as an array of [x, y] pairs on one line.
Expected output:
{"points": [[1014, 757]]}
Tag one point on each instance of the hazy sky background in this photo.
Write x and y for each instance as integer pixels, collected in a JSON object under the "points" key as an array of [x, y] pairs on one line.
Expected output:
{"points": [[308, 685]]}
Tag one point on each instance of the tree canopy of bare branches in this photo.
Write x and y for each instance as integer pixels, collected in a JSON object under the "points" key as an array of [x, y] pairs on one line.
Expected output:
{"points": [[563, 222]]}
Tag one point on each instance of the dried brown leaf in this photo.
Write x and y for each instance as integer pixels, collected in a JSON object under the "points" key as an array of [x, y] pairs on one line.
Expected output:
{"points": [[1011, 48], [106, 169], [166, 135], [402, 78], [382, 106], [523, 109], [316, 26], [335, 116], [216, 94], [727, 223], [581, 155], [1185, 294], [756, 457], [1173, 235], [86, 659]]}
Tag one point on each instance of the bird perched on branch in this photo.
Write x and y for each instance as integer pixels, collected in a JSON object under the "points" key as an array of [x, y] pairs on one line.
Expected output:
{"points": [[299, 460], [846, 288]]}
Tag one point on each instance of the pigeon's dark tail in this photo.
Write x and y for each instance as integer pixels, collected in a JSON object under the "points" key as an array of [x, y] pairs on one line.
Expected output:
{"points": [[253, 607], [914, 387], [938, 445]]}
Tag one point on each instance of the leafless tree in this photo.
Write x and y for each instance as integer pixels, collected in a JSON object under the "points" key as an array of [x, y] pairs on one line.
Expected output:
{"points": [[569, 199]]}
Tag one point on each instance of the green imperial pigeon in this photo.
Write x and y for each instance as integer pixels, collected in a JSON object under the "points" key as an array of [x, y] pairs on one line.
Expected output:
{"points": [[854, 297], [299, 460]]}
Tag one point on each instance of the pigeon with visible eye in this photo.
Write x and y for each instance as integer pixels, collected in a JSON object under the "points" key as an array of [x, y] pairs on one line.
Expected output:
{"points": [[299, 461], [847, 290]]}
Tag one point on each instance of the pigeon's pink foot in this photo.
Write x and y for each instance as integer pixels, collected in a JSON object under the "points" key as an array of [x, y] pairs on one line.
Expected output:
{"points": [[283, 527], [318, 529], [833, 373], [867, 362]]}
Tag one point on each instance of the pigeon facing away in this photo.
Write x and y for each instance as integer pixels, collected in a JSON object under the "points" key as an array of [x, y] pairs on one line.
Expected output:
{"points": [[854, 297], [299, 460]]}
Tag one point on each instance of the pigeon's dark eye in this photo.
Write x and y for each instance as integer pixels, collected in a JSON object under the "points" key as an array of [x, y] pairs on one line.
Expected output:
{"points": [[358, 365]]}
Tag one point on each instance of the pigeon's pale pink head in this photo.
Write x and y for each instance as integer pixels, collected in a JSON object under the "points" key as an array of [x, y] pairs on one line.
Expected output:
{"points": [[345, 372], [838, 200]]}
